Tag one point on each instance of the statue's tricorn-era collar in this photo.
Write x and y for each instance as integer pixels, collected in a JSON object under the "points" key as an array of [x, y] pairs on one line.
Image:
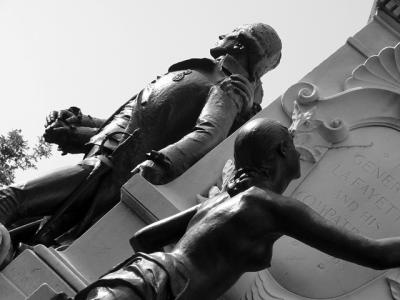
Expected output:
{"points": [[230, 66], [227, 64]]}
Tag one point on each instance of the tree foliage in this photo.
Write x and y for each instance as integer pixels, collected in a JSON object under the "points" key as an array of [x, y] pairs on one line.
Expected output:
{"points": [[15, 154]]}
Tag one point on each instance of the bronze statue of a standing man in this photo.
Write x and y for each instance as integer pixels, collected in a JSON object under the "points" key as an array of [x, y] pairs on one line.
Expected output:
{"points": [[161, 131]]}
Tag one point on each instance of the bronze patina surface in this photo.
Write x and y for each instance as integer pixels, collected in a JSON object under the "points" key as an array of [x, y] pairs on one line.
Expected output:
{"points": [[160, 132]]}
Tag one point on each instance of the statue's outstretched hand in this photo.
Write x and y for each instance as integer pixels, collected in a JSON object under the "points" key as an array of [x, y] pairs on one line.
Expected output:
{"points": [[157, 168], [152, 172], [241, 90]]}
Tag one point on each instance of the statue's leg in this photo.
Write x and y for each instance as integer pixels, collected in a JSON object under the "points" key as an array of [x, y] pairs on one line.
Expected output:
{"points": [[42, 195]]}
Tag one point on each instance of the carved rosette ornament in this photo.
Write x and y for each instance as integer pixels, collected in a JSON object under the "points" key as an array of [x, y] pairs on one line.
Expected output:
{"points": [[350, 175]]}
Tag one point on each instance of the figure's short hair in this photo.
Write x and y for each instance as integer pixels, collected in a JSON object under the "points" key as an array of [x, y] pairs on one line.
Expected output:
{"points": [[257, 142]]}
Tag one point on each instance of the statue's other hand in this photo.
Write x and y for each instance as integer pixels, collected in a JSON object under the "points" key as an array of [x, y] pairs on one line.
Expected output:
{"points": [[242, 87], [239, 184], [152, 172], [70, 139], [71, 116], [58, 132]]}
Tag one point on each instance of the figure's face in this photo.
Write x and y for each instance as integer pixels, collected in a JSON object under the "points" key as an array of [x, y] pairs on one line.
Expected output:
{"points": [[286, 169], [245, 48], [233, 44]]}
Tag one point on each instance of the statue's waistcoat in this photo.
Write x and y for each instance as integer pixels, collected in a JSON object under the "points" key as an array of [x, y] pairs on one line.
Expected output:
{"points": [[166, 111], [167, 108]]}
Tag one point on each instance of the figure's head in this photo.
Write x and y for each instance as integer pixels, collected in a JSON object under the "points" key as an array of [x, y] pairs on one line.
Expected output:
{"points": [[256, 46], [266, 147]]}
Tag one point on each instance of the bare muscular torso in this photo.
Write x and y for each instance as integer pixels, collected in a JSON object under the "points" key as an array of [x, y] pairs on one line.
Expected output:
{"points": [[209, 245]]}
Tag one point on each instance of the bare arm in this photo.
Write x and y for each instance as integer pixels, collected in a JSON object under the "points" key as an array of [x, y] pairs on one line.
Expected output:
{"points": [[159, 234], [299, 221]]}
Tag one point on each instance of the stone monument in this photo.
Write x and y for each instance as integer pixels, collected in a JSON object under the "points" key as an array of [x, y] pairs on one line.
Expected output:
{"points": [[356, 167]]}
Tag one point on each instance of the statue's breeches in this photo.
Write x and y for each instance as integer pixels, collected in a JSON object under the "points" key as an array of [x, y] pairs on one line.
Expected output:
{"points": [[42, 195]]}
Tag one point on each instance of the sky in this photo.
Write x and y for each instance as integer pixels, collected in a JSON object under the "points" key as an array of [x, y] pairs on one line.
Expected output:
{"points": [[96, 54]]}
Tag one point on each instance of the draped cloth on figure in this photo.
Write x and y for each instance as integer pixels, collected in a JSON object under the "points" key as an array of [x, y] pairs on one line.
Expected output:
{"points": [[156, 276]]}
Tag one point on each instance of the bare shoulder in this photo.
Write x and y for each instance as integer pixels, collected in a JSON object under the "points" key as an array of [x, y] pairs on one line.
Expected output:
{"points": [[266, 200], [256, 195], [263, 201], [259, 207]]}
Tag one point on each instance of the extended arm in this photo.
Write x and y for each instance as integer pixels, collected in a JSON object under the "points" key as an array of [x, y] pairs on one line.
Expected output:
{"points": [[302, 223], [224, 103], [159, 234]]}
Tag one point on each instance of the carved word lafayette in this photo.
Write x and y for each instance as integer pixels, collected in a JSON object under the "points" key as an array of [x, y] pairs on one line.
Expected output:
{"points": [[355, 176], [370, 193], [361, 203]]}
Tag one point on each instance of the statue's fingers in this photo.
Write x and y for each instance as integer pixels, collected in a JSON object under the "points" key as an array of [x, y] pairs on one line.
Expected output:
{"points": [[51, 117], [72, 119], [248, 97], [64, 114], [136, 170], [60, 130], [243, 86], [226, 84], [241, 78], [244, 96], [243, 176], [145, 172]]}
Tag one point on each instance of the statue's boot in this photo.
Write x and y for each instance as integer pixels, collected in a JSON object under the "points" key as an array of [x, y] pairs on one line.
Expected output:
{"points": [[6, 248], [43, 195]]}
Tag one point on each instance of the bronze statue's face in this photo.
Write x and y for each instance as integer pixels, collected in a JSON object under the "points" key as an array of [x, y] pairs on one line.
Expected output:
{"points": [[232, 44], [256, 46]]}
